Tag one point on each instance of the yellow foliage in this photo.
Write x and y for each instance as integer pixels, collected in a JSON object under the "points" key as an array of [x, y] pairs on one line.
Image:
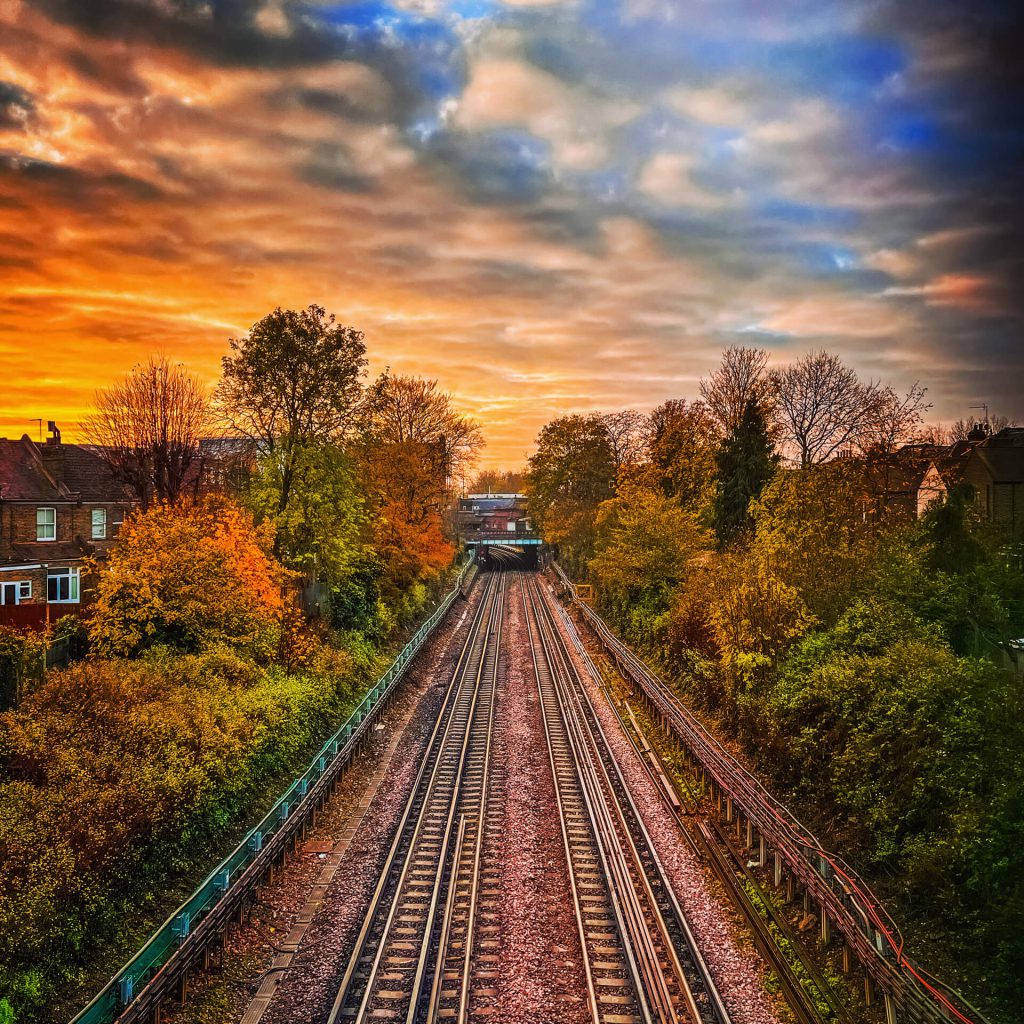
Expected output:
{"points": [[189, 576]]}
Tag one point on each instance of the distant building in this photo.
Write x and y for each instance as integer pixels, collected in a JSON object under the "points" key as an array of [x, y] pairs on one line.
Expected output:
{"points": [[486, 516], [59, 503], [994, 467]]}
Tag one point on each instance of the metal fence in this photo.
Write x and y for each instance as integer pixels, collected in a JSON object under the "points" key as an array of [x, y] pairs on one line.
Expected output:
{"points": [[840, 894], [153, 973]]}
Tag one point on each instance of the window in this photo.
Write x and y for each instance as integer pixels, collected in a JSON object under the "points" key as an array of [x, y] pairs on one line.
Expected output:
{"points": [[46, 524], [62, 586], [99, 524], [16, 592]]}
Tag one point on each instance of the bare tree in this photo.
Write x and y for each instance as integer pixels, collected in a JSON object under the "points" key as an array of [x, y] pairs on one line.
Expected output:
{"points": [[147, 428], [741, 378], [893, 420], [822, 406], [627, 437], [962, 429]]}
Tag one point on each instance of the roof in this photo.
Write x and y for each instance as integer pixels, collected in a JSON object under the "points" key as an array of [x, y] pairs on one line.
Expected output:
{"points": [[1002, 455], [22, 477], [88, 476], [57, 473]]}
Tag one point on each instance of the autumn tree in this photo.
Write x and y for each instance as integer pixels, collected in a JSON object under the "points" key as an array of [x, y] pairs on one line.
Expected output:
{"points": [[823, 407], [294, 380], [571, 473], [498, 481], [644, 544], [745, 462], [810, 531], [740, 380], [627, 437], [189, 576], [414, 411], [148, 428], [682, 446], [418, 442], [321, 532]]}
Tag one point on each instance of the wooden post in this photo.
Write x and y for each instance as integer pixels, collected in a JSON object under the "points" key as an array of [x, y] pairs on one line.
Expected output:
{"points": [[890, 1009], [846, 959], [826, 928], [869, 990], [762, 852]]}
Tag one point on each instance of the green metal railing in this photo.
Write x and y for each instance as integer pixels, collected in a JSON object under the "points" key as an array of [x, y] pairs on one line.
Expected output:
{"points": [[285, 815]]}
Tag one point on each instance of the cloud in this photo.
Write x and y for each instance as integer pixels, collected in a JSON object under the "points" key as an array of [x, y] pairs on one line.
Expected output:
{"points": [[547, 206]]}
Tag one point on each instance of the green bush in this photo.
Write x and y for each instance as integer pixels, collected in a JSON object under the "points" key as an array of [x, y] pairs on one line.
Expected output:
{"points": [[114, 771]]}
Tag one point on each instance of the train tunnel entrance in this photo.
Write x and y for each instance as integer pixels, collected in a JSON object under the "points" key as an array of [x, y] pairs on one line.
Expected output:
{"points": [[507, 556]]}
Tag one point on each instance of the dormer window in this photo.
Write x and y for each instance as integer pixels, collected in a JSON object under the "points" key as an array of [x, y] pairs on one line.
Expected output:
{"points": [[46, 524]]}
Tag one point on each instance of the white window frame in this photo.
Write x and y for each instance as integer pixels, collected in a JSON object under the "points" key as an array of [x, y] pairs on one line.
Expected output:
{"points": [[40, 525], [22, 590], [73, 576], [101, 534]]}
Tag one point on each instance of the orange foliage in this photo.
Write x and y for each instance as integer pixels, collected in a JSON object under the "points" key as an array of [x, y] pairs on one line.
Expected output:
{"points": [[189, 576]]}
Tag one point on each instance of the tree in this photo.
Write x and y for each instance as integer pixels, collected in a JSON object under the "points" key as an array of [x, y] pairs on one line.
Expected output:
{"points": [[682, 446], [189, 576], [893, 420], [809, 530], [147, 428], [571, 473], [644, 545], [822, 406], [498, 481], [626, 432], [746, 461], [739, 380], [412, 411], [322, 531], [295, 379], [962, 430]]}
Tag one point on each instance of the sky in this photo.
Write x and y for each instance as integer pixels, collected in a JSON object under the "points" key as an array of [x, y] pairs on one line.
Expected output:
{"points": [[549, 207]]}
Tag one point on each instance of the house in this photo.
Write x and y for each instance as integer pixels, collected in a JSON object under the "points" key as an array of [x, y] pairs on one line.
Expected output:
{"points": [[59, 504], [490, 515], [993, 464], [995, 469]]}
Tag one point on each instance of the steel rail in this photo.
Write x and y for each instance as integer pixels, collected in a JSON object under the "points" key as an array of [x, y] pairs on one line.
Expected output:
{"points": [[424, 834], [869, 929], [668, 972], [695, 969], [159, 971], [704, 847]]}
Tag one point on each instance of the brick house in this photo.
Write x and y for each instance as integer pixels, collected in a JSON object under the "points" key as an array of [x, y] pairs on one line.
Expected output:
{"points": [[994, 466], [59, 504]]}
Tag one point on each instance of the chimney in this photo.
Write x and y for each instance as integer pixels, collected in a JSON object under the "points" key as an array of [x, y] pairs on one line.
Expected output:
{"points": [[52, 453]]}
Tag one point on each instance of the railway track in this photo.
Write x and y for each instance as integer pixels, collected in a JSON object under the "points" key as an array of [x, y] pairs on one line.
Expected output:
{"points": [[412, 958], [641, 961]]}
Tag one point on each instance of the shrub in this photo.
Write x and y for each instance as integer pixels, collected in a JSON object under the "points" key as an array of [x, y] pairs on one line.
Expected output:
{"points": [[191, 577]]}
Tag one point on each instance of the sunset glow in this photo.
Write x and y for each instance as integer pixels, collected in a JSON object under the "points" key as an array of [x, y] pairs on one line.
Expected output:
{"points": [[546, 206]]}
